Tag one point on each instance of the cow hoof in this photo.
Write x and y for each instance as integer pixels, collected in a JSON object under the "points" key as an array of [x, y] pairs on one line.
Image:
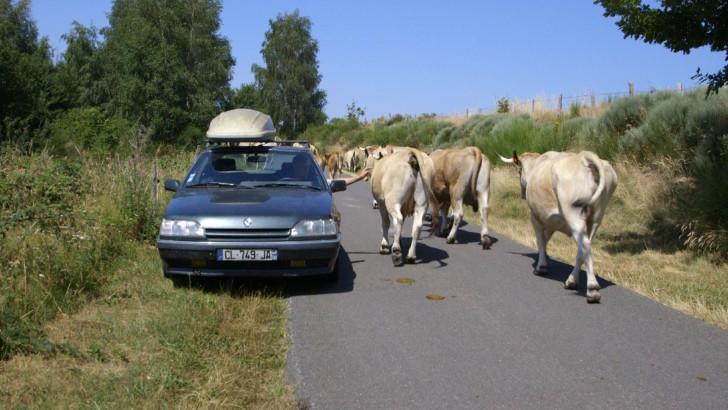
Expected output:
{"points": [[375, 205], [485, 242], [410, 260], [427, 217], [450, 240], [593, 296], [397, 259], [570, 284], [541, 270], [384, 250]]}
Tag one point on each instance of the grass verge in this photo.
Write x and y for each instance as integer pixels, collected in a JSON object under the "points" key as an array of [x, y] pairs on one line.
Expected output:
{"points": [[145, 344], [628, 249]]}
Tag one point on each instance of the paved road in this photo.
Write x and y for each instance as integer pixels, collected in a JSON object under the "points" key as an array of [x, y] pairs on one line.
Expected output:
{"points": [[502, 338]]}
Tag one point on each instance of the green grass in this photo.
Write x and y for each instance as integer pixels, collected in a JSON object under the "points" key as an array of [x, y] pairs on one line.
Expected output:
{"points": [[141, 343], [86, 317]]}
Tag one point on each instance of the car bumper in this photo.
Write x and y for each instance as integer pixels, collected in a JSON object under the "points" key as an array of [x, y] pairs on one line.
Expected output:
{"points": [[295, 258]]}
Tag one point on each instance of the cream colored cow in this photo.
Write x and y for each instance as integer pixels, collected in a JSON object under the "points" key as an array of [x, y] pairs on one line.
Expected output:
{"points": [[568, 193], [462, 176], [401, 185]]}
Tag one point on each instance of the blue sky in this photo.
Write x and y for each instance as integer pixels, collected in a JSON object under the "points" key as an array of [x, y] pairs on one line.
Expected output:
{"points": [[415, 57]]}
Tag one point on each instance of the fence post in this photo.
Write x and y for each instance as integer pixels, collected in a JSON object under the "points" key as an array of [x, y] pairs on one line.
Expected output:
{"points": [[561, 103], [155, 180], [631, 88]]}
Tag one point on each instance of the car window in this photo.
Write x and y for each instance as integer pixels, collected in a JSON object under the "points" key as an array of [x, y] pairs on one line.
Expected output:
{"points": [[255, 168]]}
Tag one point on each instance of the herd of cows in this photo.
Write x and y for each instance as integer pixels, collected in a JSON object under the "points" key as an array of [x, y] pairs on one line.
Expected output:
{"points": [[566, 192]]}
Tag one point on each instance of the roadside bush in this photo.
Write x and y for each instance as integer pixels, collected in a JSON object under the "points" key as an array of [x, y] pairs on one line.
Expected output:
{"points": [[89, 129], [66, 223], [521, 134]]}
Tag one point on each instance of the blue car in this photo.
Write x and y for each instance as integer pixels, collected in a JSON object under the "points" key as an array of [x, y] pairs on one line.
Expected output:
{"points": [[251, 208]]}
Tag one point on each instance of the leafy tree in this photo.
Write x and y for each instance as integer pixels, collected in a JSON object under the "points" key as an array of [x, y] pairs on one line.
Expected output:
{"points": [[680, 25], [79, 71], [289, 81], [247, 96], [354, 112], [25, 72], [165, 65]]}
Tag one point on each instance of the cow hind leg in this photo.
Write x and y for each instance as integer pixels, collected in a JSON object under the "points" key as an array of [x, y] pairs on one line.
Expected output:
{"points": [[592, 285], [541, 240], [384, 247], [485, 240], [572, 282], [397, 222], [578, 227], [416, 228], [457, 216]]}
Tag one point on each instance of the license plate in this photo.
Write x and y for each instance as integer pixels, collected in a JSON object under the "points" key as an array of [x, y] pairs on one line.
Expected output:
{"points": [[247, 254]]}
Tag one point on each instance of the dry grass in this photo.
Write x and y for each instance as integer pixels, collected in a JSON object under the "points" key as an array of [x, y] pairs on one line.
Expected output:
{"points": [[626, 250], [145, 344]]}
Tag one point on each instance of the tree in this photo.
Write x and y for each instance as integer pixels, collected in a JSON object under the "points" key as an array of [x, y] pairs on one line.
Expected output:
{"points": [[354, 112], [680, 25], [247, 96], [25, 72], [165, 65], [79, 71], [289, 81]]}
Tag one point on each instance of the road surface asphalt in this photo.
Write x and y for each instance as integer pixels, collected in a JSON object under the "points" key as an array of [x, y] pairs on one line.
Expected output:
{"points": [[500, 338]]}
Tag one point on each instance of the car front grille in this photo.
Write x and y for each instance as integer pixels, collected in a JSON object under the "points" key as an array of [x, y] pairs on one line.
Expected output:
{"points": [[245, 234]]}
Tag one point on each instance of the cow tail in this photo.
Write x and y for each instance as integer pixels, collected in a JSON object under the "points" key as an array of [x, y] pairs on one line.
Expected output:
{"points": [[597, 162], [474, 179], [415, 164]]}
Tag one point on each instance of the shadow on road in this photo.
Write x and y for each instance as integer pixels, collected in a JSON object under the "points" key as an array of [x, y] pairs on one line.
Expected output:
{"points": [[287, 287], [559, 271], [425, 253]]}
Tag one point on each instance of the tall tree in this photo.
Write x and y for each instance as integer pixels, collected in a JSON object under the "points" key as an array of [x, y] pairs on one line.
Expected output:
{"points": [[289, 81], [25, 72], [680, 25], [79, 71], [165, 64]]}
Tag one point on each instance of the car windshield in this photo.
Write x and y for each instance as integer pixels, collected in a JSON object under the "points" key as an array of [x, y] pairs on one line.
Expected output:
{"points": [[255, 167]]}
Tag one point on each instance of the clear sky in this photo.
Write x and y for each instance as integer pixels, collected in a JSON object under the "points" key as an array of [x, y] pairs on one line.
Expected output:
{"points": [[422, 56]]}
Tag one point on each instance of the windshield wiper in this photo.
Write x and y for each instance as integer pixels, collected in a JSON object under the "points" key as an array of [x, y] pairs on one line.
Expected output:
{"points": [[212, 183], [285, 185]]}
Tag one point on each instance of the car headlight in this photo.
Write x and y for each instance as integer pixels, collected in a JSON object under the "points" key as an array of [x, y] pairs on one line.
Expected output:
{"points": [[180, 228], [315, 227]]}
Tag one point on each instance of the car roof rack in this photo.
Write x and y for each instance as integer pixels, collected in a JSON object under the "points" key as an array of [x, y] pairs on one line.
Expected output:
{"points": [[255, 142]]}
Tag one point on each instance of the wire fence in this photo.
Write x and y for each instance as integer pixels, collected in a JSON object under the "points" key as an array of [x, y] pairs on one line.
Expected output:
{"points": [[585, 103]]}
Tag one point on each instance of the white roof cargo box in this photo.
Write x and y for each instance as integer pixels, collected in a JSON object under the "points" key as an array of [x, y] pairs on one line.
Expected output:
{"points": [[241, 124]]}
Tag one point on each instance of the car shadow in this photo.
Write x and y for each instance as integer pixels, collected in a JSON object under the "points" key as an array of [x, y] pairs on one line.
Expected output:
{"points": [[559, 271], [275, 287]]}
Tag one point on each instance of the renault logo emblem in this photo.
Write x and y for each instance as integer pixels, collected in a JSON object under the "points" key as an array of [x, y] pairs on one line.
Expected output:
{"points": [[247, 222]]}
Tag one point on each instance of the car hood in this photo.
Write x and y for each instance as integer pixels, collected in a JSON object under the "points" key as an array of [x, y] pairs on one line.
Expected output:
{"points": [[267, 208]]}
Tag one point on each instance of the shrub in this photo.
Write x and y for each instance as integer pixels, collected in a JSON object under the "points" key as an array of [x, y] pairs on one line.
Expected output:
{"points": [[89, 129], [66, 223], [503, 105]]}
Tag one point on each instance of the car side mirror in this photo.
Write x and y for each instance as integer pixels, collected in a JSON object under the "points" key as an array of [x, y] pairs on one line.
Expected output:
{"points": [[338, 185], [171, 185]]}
